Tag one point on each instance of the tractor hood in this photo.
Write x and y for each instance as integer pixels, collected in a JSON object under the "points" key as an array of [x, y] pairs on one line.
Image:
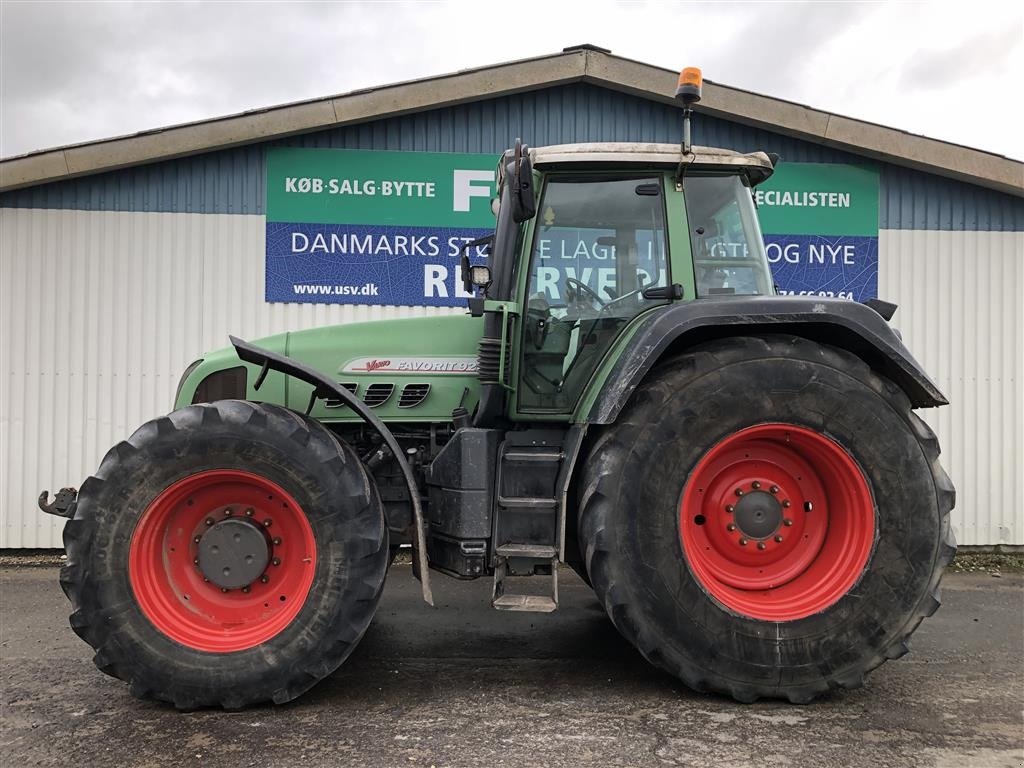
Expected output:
{"points": [[413, 369]]}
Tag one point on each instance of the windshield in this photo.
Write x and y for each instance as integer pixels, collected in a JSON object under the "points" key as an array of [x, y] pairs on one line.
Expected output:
{"points": [[728, 251]]}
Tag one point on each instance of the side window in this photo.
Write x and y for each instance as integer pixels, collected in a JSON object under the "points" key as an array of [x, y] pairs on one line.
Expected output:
{"points": [[598, 243], [728, 252]]}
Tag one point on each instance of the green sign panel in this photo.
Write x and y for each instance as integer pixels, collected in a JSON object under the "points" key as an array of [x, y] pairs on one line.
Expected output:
{"points": [[819, 199], [408, 189]]}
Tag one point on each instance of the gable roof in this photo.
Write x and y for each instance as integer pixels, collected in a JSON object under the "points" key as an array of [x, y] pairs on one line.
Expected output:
{"points": [[587, 64]]}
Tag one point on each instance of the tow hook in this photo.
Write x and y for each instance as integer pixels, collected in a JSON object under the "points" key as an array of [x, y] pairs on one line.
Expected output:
{"points": [[63, 504]]}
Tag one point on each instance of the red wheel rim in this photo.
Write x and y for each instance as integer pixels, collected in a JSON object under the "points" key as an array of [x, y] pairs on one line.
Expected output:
{"points": [[172, 590], [777, 522]]}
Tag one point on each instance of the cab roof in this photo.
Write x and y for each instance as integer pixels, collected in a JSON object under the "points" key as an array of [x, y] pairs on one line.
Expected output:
{"points": [[757, 164]]}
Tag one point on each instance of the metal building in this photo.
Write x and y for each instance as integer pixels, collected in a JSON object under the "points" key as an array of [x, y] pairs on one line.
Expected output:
{"points": [[122, 260]]}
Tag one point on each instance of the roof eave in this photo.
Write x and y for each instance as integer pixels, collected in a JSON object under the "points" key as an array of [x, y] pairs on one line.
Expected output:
{"points": [[290, 120], [855, 136], [580, 65]]}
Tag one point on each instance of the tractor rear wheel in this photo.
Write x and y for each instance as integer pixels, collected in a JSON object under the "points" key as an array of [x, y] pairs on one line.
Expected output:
{"points": [[767, 518], [227, 554]]}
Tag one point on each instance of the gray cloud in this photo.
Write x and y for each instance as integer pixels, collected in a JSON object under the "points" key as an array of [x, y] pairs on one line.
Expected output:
{"points": [[948, 66], [72, 72]]}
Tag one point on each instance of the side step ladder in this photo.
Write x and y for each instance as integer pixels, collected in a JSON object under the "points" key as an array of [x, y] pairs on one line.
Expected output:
{"points": [[527, 524]]}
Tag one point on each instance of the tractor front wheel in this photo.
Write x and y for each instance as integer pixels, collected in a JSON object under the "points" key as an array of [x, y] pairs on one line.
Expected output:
{"points": [[227, 554], [767, 518]]}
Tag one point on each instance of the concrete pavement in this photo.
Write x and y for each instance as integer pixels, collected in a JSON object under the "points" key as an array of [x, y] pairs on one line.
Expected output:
{"points": [[463, 685]]}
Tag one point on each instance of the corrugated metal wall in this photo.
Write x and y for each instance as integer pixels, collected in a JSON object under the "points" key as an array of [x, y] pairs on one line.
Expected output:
{"points": [[112, 283], [101, 312], [961, 315]]}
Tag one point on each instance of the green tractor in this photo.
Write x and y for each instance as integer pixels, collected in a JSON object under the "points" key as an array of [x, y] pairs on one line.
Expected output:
{"points": [[740, 476]]}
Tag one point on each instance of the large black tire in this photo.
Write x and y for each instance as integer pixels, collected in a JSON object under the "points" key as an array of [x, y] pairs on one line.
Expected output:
{"points": [[328, 482], [630, 519]]}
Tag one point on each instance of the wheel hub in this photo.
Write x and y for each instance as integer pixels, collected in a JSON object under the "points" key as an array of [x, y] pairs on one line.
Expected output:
{"points": [[758, 515], [233, 553]]}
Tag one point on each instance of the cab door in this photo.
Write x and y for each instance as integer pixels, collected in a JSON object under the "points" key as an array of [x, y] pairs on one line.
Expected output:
{"points": [[598, 247]]}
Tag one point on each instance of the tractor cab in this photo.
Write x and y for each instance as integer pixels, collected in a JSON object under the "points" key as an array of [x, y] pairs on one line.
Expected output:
{"points": [[591, 236]]}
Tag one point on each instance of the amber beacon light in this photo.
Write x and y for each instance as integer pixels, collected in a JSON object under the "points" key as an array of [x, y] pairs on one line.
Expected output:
{"points": [[688, 89], [688, 92]]}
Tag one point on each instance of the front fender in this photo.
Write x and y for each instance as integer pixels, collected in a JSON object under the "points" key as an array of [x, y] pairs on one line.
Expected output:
{"points": [[839, 322]]}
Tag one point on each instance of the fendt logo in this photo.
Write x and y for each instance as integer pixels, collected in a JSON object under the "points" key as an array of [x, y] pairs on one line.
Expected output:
{"points": [[466, 189]]}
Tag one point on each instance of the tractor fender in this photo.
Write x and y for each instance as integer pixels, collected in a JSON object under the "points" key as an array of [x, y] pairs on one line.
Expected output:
{"points": [[324, 387], [839, 322]]}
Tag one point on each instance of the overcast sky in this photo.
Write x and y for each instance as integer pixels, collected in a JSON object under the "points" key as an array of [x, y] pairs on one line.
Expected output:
{"points": [[73, 72]]}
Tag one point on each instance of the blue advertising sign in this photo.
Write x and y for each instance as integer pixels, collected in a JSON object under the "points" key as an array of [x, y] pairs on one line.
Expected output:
{"points": [[820, 227], [368, 227], [354, 227]]}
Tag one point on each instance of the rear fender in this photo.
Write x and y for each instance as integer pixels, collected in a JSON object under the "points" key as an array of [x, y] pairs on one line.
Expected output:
{"points": [[839, 322]]}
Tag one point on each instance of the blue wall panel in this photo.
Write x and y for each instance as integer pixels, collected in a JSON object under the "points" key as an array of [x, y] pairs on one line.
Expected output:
{"points": [[233, 180]]}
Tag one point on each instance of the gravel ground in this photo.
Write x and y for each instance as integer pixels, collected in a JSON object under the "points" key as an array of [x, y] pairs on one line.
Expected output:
{"points": [[463, 685]]}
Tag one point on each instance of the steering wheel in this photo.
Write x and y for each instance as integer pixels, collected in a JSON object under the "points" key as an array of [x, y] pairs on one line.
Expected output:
{"points": [[574, 287]]}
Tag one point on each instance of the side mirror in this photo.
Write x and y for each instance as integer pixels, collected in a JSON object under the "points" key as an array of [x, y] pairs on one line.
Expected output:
{"points": [[519, 178]]}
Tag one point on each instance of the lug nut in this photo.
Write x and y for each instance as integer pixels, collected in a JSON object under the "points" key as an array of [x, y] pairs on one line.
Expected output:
{"points": [[276, 561], [246, 590], [264, 579], [761, 545], [739, 491], [277, 540], [195, 560], [730, 508], [196, 539], [730, 527], [774, 489], [223, 589], [787, 522], [206, 580], [267, 523], [808, 507], [778, 539], [787, 503], [755, 485], [249, 512], [228, 512], [743, 542], [209, 521]]}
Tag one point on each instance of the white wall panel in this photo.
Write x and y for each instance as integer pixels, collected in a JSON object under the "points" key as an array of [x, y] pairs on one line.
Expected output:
{"points": [[961, 315], [101, 311]]}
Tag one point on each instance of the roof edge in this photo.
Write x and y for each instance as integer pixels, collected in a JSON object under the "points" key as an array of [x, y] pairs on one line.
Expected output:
{"points": [[583, 63]]}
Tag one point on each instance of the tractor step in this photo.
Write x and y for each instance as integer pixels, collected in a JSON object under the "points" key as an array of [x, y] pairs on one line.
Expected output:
{"points": [[534, 456], [526, 550], [527, 502], [527, 603], [512, 601]]}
